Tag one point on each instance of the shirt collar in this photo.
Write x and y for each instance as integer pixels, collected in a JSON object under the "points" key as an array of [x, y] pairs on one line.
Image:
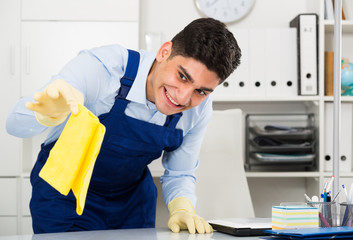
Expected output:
{"points": [[137, 92]]}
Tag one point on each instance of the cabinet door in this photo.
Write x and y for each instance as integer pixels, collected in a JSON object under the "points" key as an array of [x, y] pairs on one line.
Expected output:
{"points": [[8, 199], [26, 225], [81, 10], [26, 197], [8, 226], [10, 83], [48, 46]]}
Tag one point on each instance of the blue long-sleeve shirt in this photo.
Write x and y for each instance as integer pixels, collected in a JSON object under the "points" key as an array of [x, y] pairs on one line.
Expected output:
{"points": [[96, 74]]}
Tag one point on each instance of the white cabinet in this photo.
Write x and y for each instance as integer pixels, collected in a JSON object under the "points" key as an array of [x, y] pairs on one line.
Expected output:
{"points": [[48, 46], [80, 10], [10, 82], [10, 147], [25, 220], [26, 225], [26, 193], [38, 38], [8, 226], [9, 196]]}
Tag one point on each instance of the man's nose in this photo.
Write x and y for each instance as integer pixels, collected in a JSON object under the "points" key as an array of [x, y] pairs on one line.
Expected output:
{"points": [[184, 95]]}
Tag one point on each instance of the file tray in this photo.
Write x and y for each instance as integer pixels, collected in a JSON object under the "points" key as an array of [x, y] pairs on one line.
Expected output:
{"points": [[280, 142], [283, 158], [294, 133], [307, 147]]}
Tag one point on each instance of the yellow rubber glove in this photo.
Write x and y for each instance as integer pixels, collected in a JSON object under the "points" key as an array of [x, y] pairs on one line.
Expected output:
{"points": [[55, 102], [182, 216]]}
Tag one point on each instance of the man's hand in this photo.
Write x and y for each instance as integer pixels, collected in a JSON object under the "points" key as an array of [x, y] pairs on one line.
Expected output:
{"points": [[55, 103], [182, 216]]}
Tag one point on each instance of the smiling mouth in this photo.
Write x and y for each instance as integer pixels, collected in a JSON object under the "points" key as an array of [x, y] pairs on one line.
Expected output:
{"points": [[171, 99]]}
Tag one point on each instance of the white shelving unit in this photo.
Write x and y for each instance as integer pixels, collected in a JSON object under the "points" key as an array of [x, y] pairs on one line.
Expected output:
{"points": [[271, 188]]}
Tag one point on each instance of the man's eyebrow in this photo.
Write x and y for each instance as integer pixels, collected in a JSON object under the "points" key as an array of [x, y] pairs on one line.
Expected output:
{"points": [[192, 80], [186, 73], [206, 89]]}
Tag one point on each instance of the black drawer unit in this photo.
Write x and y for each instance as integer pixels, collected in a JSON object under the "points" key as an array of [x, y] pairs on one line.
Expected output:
{"points": [[280, 142]]}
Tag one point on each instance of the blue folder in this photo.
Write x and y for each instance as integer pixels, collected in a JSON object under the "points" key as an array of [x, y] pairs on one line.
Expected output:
{"points": [[313, 233]]}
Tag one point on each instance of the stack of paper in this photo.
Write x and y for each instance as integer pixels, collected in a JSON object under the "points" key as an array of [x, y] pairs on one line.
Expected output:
{"points": [[296, 216]]}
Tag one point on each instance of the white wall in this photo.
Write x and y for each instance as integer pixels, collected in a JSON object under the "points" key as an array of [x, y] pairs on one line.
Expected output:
{"points": [[168, 17]]}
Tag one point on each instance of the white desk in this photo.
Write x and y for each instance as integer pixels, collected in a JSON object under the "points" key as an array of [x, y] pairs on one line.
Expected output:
{"points": [[127, 234]]}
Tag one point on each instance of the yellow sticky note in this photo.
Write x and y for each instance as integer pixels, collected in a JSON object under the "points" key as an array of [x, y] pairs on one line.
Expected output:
{"points": [[71, 161]]}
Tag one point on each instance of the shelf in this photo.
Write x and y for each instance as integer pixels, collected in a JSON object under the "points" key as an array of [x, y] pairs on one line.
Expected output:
{"points": [[343, 98], [342, 174], [265, 99], [347, 26], [281, 174]]}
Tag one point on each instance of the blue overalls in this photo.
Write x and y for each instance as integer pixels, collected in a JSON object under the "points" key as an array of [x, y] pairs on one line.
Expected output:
{"points": [[121, 192]]}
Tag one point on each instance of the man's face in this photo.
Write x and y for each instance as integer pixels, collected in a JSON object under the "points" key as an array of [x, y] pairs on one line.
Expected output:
{"points": [[179, 83]]}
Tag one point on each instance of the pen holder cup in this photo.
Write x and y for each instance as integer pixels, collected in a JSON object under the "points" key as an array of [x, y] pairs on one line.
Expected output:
{"points": [[327, 213], [346, 211]]}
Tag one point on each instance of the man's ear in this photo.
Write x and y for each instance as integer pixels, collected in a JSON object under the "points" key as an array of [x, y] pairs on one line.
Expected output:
{"points": [[164, 51]]}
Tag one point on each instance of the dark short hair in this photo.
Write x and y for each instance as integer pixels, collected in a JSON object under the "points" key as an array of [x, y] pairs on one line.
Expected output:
{"points": [[210, 42]]}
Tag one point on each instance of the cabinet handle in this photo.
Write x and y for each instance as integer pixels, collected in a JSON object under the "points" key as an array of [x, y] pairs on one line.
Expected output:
{"points": [[28, 59], [13, 60]]}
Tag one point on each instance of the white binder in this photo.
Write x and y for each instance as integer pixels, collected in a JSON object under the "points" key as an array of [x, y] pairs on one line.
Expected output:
{"points": [[289, 64], [237, 84], [281, 62], [226, 90], [345, 137], [307, 34], [273, 62], [240, 77], [257, 62]]}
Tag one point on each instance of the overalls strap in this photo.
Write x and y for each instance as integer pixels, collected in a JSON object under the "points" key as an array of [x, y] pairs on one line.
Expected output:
{"points": [[130, 74]]}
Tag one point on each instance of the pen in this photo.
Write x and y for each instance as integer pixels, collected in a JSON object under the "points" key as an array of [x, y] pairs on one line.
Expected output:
{"points": [[336, 195], [325, 185], [345, 216], [328, 197], [350, 194], [307, 198], [325, 201], [330, 183], [345, 192]]}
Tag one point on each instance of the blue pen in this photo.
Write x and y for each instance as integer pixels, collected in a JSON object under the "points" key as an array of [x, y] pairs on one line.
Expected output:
{"points": [[345, 217], [325, 201]]}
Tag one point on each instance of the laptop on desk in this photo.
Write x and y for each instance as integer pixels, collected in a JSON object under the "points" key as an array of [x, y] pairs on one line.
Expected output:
{"points": [[242, 226]]}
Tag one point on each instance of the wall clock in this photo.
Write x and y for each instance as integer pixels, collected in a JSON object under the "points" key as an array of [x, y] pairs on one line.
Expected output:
{"points": [[225, 10]]}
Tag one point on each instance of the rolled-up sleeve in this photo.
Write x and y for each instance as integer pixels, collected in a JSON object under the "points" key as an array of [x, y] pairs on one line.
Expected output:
{"points": [[21, 121], [88, 74]]}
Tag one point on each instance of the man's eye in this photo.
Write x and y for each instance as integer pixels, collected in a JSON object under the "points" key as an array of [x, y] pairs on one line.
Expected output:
{"points": [[182, 77], [201, 92]]}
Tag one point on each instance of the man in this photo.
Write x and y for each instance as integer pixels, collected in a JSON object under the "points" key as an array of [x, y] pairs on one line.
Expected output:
{"points": [[149, 104]]}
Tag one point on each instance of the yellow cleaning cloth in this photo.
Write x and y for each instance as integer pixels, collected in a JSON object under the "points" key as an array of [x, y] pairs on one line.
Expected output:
{"points": [[71, 160]]}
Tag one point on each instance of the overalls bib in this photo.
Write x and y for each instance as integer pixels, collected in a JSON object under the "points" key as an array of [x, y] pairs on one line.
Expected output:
{"points": [[121, 192]]}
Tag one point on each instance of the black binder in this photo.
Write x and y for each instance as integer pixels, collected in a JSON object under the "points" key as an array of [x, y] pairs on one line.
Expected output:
{"points": [[307, 52]]}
